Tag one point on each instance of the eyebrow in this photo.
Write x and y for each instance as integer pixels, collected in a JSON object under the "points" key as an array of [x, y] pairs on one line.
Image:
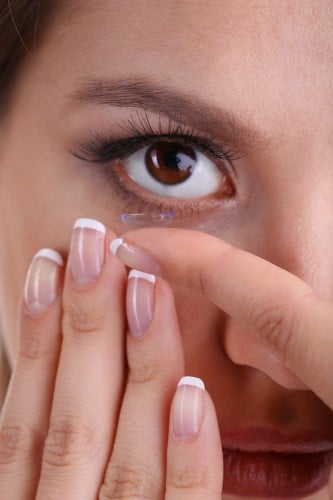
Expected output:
{"points": [[178, 106]]}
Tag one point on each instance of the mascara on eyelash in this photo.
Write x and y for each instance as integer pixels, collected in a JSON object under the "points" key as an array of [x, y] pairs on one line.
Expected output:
{"points": [[102, 149], [138, 220], [140, 132]]}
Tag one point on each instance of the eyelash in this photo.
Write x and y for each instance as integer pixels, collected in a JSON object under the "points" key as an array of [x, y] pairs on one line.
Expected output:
{"points": [[102, 150]]}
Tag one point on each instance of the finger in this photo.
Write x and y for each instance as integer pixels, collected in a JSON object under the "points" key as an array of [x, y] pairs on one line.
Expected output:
{"points": [[194, 458], [155, 360], [330, 486], [26, 411], [244, 347], [90, 373], [288, 318]]}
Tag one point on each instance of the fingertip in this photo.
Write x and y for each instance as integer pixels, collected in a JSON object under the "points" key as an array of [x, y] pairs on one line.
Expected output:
{"points": [[194, 457], [43, 281], [188, 408], [330, 485]]}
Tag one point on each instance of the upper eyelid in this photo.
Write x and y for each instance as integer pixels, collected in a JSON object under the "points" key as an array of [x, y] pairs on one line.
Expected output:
{"points": [[152, 96], [98, 142], [95, 149], [138, 141], [177, 128], [138, 127], [138, 123]]}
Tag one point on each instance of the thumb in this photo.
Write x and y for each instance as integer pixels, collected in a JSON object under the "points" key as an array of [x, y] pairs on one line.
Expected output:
{"points": [[282, 310]]}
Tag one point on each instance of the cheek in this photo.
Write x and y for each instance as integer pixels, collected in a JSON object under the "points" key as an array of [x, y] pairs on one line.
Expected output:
{"points": [[42, 193], [200, 324], [40, 210]]}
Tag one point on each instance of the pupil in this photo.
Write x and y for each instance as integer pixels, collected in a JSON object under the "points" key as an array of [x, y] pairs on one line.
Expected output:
{"points": [[170, 164], [171, 160]]}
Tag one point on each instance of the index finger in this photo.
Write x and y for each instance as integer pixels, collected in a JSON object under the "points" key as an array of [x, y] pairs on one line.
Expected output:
{"points": [[288, 317]]}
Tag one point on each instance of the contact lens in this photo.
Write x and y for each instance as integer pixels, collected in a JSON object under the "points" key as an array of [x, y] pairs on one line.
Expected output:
{"points": [[135, 221]]}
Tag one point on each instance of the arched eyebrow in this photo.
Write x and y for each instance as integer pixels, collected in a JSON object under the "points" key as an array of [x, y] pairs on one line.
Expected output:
{"points": [[178, 106]]}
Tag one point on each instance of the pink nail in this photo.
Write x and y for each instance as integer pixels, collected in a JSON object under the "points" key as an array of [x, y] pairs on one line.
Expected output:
{"points": [[42, 283], [134, 257], [87, 250], [139, 301], [188, 408]]}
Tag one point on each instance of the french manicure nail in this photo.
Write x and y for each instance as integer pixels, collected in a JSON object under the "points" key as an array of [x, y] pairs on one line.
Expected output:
{"points": [[139, 301], [134, 257], [42, 282], [188, 408], [87, 250]]}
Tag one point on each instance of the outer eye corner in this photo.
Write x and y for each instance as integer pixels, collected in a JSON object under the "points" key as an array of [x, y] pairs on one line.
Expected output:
{"points": [[229, 186]]}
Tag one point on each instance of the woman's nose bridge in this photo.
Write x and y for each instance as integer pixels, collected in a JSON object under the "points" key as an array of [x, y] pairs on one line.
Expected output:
{"points": [[301, 240]]}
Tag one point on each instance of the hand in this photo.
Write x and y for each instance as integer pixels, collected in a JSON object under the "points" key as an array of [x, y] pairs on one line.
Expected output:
{"points": [[281, 312], [87, 412]]}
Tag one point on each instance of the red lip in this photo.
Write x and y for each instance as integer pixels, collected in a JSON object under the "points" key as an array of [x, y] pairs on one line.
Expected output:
{"points": [[263, 463]]}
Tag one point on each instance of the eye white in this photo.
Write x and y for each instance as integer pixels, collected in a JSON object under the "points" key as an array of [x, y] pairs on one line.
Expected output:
{"points": [[206, 177]]}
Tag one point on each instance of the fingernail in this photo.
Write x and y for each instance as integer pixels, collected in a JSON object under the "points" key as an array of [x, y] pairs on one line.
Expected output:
{"points": [[139, 301], [42, 283], [188, 408], [87, 250], [134, 257]]}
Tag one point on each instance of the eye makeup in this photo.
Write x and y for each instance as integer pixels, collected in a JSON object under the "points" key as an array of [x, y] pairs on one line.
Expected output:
{"points": [[113, 154]]}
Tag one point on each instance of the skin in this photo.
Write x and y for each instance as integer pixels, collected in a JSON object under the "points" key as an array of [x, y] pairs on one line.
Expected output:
{"points": [[285, 190]]}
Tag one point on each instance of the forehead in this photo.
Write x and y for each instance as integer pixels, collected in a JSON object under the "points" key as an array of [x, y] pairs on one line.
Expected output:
{"points": [[274, 51]]}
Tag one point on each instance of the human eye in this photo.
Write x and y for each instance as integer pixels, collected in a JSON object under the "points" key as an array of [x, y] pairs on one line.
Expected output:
{"points": [[170, 168], [155, 169]]}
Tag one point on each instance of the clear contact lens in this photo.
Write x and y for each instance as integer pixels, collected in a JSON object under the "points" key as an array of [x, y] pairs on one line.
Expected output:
{"points": [[135, 221]]}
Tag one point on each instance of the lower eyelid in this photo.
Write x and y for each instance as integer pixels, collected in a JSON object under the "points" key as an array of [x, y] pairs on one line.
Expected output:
{"points": [[137, 199], [138, 220]]}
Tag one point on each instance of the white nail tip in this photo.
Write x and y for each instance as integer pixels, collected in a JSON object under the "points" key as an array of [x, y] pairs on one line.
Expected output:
{"points": [[134, 273], [90, 224], [50, 254], [196, 382], [115, 244]]}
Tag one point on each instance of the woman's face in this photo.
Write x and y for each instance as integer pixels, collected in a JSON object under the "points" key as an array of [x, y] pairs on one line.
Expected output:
{"points": [[252, 78]]}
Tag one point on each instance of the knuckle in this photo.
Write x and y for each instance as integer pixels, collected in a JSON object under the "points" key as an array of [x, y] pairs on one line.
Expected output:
{"points": [[125, 482], [190, 478], [69, 442], [276, 325], [148, 371], [80, 317], [19, 443], [31, 346], [197, 279]]}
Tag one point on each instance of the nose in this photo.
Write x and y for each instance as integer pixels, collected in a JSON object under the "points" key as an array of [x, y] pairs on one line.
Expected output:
{"points": [[297, 235], [299, 238]]}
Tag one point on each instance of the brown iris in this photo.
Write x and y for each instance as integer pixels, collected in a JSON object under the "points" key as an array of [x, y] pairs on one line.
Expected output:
{"points": [[169, 162]]}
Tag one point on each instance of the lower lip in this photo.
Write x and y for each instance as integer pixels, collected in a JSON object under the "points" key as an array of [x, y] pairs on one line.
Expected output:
{"points": [[278, 475]]}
